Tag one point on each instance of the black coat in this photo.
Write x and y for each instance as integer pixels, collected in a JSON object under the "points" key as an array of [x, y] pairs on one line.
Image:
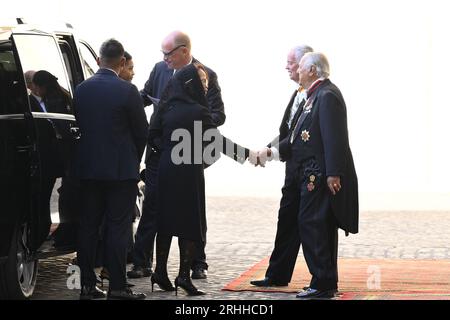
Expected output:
{"points": [[157, 82], [328, 145], [181, 186], [113, 128]]}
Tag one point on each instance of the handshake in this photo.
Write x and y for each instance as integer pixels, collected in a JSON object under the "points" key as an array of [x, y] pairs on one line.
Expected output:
{"points": [[260, 157]]}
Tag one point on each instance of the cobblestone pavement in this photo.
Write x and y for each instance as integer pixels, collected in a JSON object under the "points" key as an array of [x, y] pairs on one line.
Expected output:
{"points": [[241, 232]]}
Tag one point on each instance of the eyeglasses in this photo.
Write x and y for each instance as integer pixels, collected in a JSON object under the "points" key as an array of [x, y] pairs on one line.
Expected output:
{"points": [[168, 54]]}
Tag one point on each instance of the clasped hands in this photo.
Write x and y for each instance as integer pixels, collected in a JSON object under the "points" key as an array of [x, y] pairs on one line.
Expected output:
{"points": [[260, 157]]}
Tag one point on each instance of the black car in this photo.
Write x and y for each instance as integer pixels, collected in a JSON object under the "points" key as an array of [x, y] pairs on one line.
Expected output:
{"points": [[24, 47]]}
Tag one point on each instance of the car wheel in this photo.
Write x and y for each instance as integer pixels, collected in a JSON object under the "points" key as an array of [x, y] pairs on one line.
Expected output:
{"points": [[20, 270]]}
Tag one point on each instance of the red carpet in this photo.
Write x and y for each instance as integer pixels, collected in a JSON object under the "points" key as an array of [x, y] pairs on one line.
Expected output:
{"points": [[366, 279]]}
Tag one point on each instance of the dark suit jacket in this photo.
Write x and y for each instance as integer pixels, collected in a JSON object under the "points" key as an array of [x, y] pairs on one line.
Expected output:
{"points": [[113, 128], [328, 146], [157, 82]]}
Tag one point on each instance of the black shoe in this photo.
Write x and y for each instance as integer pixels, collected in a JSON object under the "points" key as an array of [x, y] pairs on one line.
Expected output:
{"points": [[268, 282], [91, 292], [139, 272], [125, 294], [199, 273], [311, 293], [162, 281], [187, 285]]}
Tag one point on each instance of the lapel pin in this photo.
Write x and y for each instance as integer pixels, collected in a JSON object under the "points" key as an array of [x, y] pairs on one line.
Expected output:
{"points": [[305, 135]]}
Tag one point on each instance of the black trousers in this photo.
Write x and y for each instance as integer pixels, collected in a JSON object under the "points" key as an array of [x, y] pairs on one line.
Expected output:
{"points": [[147, 228], [44, 220], [318, 234], [112, 201], [287, 240], [305, 218], [146, 231]]}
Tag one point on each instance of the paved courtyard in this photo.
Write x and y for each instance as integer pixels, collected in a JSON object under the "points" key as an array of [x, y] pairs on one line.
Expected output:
{"points": [[241, 232]]}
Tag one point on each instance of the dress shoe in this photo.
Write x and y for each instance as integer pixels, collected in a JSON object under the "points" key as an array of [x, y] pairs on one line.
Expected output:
{"points": [[162, 281], [311, 293], [125, 294], [199, 273], [139, 272], [187, 285], [268, 282], [91, 292]]}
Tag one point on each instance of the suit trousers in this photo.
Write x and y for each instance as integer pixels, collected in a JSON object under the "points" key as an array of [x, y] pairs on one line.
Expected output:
{"points": [[112, 201], [287, 240], [146, 231], [318, 234]]}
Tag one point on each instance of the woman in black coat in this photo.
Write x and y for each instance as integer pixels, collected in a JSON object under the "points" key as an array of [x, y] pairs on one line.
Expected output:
{"points": [[183, 112]]}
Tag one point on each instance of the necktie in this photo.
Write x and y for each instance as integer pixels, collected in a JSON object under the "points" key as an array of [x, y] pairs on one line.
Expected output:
{"points": [[294, 109]]}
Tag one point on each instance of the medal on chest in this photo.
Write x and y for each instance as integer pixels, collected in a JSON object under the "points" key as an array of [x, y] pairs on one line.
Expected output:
{"points": [[310, 186], [305, 135]]}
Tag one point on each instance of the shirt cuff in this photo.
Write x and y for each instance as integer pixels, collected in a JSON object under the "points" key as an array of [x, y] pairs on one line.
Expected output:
{"points": [[275, 154]]}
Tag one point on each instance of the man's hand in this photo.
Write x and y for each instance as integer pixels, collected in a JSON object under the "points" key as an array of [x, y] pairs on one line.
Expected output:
{"points": [[253, 158], [334, 184], [264, 155]]}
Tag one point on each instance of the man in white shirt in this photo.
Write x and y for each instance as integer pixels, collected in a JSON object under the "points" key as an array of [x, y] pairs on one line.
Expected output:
{"points": [[287, 242]]}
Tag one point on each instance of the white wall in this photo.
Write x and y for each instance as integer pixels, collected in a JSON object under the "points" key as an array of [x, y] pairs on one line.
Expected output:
{"points": [[389, 58]]}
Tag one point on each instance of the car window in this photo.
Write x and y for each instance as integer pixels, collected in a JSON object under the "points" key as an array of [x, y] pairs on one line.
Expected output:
{"points": [[41, 52], [12, 99], [89, 60], [68, 62]]}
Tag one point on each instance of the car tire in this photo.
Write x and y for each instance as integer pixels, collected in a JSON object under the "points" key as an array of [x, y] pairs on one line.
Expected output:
{"points": [[19, 273]]}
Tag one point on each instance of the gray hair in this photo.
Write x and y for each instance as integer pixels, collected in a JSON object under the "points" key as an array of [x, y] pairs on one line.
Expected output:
{"points": [[299, 51], [29, 76], [319, 61]]}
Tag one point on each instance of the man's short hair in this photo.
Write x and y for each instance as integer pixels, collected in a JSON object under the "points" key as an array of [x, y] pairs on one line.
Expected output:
{"points": [[127, 56], [319, 61], [29, 76], [299, 51], [111, 51]]}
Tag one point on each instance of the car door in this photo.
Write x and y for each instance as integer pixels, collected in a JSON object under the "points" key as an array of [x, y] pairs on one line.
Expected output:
{"points": [[41, 51], [18, 155], [19, 176], [88, 58]]}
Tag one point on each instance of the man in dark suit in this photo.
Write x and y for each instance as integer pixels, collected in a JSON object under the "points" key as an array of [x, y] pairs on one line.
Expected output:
{"points": [[113, 129], [321, 165], [287, 242], [176, 49]]}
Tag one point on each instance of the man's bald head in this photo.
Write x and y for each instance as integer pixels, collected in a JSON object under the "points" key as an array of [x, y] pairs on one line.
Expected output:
{"points": [[176, 48], [177, 38]]}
